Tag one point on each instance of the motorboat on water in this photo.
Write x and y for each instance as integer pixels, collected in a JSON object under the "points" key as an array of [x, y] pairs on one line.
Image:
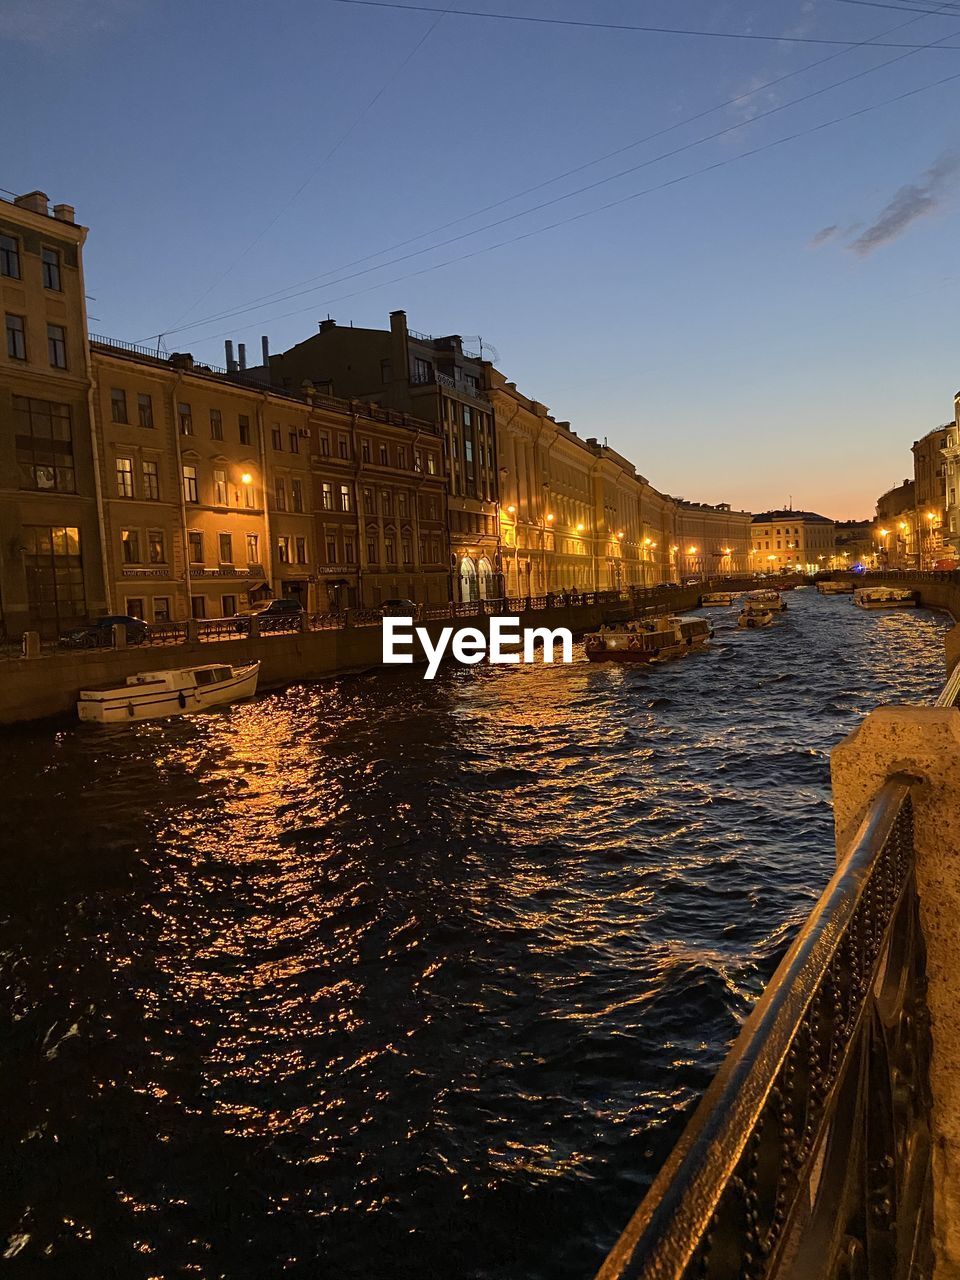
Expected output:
{"points": [[717, 598], [648, 640], [832, 588], [755, 615], [766, 596], [884, 598], [152, 694]]}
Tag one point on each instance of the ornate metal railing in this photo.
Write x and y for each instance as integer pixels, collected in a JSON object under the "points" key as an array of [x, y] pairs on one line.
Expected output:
{"points": [[808, 1157]]}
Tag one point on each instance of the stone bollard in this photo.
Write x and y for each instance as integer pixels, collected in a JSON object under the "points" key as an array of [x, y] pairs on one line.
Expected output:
{"points": [[347, 618], [254, 631], [119, 635], [31, 644], [192, 629], [923, 745]]}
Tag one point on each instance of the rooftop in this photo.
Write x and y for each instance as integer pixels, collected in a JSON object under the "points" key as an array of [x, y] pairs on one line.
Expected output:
{"points": [[809, 517]]}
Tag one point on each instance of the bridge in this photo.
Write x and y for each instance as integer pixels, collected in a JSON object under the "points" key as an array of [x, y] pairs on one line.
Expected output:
{"points": [[828, 1144]]}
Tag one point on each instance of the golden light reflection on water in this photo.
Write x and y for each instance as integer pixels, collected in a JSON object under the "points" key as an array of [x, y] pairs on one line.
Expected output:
{"points": [[446, 960]]}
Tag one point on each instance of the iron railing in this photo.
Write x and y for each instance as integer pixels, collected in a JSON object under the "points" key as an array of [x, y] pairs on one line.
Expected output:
{"points": [[809, 1156]]}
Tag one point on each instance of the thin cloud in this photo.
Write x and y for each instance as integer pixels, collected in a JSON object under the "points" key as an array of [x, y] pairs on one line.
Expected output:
{"points": [[913, 201], [55, 24], [823, 235]]}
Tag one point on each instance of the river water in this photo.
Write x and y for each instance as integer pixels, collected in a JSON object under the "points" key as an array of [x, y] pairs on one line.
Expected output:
{"points": [[385, 978]]}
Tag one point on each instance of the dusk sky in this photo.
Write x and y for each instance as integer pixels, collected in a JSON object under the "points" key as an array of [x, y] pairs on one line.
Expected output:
{"points": [[745, 327]]}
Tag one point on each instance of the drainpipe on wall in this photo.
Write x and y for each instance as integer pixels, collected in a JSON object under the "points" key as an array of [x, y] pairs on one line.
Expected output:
{"points": [[95, 458], [268, 538], [175, 422]]}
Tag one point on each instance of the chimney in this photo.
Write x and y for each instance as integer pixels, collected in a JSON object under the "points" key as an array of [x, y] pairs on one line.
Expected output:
{"points": [[65, 212], [242, 355], [327, 324], [35, 201], [181, 360], [265, 349], [228, 352]]}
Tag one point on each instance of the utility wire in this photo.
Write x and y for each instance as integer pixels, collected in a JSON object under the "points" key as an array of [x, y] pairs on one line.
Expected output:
{"points": [[316, 169], [281, 295], [612, 204], [611, 26], [545, 204]]}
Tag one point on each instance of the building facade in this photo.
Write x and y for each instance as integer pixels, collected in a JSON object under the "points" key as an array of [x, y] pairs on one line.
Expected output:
{"points": [[895, 528], [51, 575], [435, 381], [929, 471], [790, 541], [951, 488], [711, 541]]}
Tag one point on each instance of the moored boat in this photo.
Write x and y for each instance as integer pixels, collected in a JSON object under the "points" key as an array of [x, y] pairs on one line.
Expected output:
{"points": [[152, 694], [696, 632], [831, 588], [717, 598], [767, 597], [755, 616], [653, 640], [884, 598]]}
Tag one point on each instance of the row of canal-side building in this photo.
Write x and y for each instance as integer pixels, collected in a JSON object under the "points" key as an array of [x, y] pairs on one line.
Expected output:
{"points": [[360, 465]]}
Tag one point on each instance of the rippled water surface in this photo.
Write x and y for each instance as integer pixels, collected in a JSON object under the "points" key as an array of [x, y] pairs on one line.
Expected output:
{"points": [[383, 978]]}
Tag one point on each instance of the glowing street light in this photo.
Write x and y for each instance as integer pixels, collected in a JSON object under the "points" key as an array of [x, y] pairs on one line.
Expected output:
{"points": [[580, 527], [246, 478]]}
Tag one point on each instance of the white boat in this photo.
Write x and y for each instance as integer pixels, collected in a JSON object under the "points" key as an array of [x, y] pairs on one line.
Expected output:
{"points": [[717, 598], [884, 598], [831, 588], [754, 614], [152, 694], [771, 600]]}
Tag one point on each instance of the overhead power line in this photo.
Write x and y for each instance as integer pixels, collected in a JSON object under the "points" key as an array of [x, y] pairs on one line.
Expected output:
{"points": [[281, 295], [612, 204], [613, 26], [317, 167], [545, 204]]}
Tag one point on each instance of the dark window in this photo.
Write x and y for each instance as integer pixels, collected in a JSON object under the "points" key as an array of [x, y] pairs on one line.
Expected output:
{"points": [[281, 492], [301, 548], [216, 425], [349, 551], [145, 409], [277, 435], [343, 447], [365, 450], [151, 481], [228, 606], [44, 444], [325, 445], [244, 422], [198, 606], [402, 458], [130, 546], [156, 550], [16, 338], [296, 495], [57, 346], [135, 607], [422, 370], [384, 456], [226, 548], [51, 269], [294, 442], [118, 404], [185, 414], [9, 257], [195, 541]]}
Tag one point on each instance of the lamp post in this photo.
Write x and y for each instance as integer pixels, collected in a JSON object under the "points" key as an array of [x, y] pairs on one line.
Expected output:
{"points": [[882, 535]]}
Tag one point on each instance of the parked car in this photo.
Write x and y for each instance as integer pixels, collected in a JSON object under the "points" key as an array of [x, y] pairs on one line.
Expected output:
{"points": [[100, 633], [691, 582], [399, 609], [280, 614]]}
